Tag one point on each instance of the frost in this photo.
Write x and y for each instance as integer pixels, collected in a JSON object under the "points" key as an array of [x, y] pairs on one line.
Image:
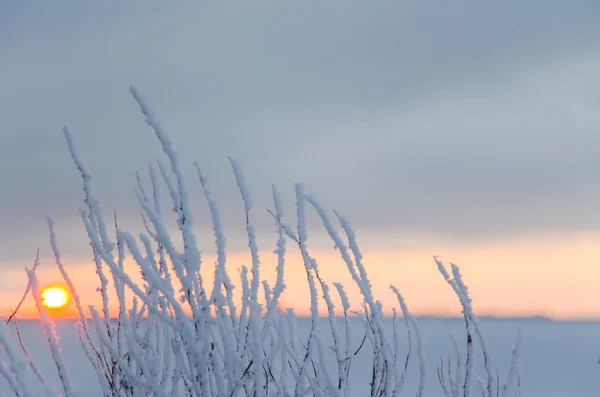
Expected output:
{"points": [[178, 337]]}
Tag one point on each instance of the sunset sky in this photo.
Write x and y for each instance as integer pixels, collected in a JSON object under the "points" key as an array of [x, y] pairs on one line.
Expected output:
{"points": [[463, 130]]}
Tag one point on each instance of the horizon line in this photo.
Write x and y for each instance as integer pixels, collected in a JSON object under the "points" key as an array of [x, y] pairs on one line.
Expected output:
{"points": [[418, 317]]}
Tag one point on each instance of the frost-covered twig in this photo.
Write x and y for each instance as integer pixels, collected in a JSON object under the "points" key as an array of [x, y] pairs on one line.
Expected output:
{"points": [[63, 371], [465, 371], [174, 337], [14, 312]]}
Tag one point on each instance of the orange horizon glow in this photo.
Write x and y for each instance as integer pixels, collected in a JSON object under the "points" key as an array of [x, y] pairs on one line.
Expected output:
{"points": [[554, 276]]}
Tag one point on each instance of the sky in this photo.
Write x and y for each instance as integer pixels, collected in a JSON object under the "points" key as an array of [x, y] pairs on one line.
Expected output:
{"points": [[460, 129]]}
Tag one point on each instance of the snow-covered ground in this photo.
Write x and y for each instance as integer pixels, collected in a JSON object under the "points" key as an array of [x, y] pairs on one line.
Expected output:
{"points": [[558, 359]]}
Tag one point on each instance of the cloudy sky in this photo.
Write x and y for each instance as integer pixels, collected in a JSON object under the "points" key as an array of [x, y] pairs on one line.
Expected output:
{"points": [[460, 122]]}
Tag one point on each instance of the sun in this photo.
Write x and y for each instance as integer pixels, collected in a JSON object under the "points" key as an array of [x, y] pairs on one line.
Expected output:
{"points": [[55, 297]]}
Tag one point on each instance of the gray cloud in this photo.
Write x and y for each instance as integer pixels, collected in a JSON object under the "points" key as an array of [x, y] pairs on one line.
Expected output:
{"points": [[465, 120]]}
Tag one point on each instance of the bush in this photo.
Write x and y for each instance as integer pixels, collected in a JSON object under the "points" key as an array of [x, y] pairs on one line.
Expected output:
{"points": [[179, 336]]}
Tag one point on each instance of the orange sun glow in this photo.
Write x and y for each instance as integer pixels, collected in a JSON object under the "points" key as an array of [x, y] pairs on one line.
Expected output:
{"points": [[55, 297]]}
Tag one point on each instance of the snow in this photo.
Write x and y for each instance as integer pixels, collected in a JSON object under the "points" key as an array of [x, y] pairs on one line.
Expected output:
{"points": [[557, 358]]}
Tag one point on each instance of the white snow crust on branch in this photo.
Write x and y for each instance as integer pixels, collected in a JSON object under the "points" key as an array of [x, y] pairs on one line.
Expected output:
{"points": [[177, 336]]}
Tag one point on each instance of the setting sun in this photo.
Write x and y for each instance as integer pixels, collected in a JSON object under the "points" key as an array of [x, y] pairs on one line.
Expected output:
{"points": [[55, 297]]}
